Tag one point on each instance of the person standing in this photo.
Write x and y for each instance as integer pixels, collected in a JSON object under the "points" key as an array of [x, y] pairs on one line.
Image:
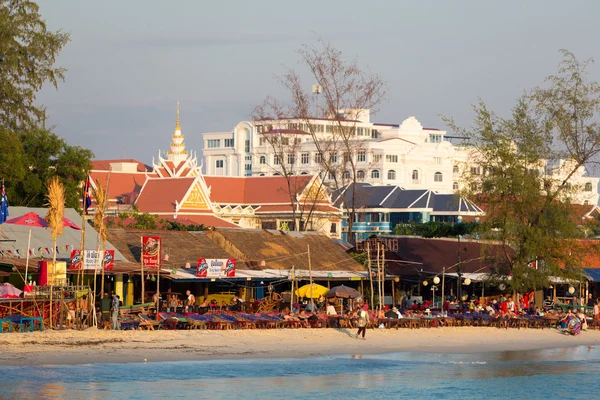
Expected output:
{"points": [[190, 302], [363, 321], [115, 312], [105, 311]]}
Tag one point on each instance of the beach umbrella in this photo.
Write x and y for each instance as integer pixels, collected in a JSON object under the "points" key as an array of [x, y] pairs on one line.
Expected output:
{"points": [[317, 291], [342, 292], [30, 219], [8, 291], [67, 223]]}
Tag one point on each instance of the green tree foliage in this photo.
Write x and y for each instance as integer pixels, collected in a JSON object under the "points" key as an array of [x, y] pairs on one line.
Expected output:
{"points": [[30, 153], [527, 204], [46, 155], [28, 51], [136, 220], [434, 229]]}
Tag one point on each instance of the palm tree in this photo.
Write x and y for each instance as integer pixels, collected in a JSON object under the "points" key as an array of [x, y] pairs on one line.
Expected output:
{"points": [[99, 194], [56, 212]]}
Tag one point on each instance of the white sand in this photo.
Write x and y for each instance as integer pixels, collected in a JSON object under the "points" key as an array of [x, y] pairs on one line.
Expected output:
{"points": [[94, 346]]}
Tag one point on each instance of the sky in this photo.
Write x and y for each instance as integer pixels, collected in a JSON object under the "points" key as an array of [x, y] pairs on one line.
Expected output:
{"points": [[130, 61]]}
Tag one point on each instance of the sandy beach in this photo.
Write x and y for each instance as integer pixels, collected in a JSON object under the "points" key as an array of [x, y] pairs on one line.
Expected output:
{"points": [[94, 346]]}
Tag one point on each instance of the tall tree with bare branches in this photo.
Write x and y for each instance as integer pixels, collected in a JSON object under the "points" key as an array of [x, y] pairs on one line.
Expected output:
{"points": [[350, 95]]}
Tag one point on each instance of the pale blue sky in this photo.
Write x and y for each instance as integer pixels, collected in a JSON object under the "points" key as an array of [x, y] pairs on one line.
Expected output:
{"points": [[129, 61]]}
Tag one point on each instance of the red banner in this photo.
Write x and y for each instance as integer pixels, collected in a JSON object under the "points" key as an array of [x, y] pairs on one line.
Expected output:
{"points": [[151, 251]]}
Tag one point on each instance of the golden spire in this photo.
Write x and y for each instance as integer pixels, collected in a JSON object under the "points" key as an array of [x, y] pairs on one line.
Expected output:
{"points": [[177, 126]]}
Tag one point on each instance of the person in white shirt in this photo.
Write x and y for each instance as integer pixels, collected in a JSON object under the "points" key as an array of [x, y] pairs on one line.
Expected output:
{"points": [[191, 301], [331, 309]]}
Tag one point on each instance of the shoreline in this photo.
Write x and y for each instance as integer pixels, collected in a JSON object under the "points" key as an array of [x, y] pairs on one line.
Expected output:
{"points": [[95, 346]]}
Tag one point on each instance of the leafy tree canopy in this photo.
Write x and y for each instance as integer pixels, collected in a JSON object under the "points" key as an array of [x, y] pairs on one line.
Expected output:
{"points": [[527, 160], [28, 51]]}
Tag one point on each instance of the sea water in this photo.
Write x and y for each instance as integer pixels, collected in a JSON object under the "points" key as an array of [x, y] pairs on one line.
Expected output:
{"points": [[565, 372]]}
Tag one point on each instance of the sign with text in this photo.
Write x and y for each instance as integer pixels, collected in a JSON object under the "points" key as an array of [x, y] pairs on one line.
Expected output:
{"points": [[216, 268], [92, 260], [151, 251]]}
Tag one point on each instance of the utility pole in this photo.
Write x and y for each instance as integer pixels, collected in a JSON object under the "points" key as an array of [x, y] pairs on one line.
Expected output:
{"points": [[370, 273]]}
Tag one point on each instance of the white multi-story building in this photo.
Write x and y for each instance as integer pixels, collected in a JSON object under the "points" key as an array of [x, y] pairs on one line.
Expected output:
{"points": [[407, 154]]}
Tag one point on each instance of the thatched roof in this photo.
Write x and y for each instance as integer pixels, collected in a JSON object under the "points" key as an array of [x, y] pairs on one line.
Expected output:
{"points": [[281, 250], [182, 247]]}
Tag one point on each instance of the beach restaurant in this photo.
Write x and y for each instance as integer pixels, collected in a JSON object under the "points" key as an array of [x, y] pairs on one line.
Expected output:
{"points": [[263, 260]]}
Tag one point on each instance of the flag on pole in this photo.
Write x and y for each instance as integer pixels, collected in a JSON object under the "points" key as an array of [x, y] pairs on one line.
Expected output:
{"points": [[87, 197], [3, 205]]}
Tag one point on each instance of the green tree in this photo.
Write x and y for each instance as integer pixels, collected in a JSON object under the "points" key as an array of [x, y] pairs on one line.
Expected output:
{"points": [[12, 163], [525, 188], [46, 156], [28, 51]]}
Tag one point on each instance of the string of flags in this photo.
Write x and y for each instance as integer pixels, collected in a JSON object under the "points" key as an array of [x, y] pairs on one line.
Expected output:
{"points": [[36, 252]]}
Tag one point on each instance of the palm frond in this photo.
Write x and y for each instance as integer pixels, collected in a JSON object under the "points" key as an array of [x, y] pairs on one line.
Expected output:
{"points": [[99, 194], [56, 206]]}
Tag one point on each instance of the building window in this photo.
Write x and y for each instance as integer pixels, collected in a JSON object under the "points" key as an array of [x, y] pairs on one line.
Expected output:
{"points": [[455, 169], [455, 186], [588, 187], [219, 164], [391, 158], [376, 158], [437, 160], [228, 142], [263, 160], [333, 157], [476, 170], [304, 173], [346, 175], [261, 141], [435, 138], [276, 160], [375, 174], [318, 158], [331, 175], [248, 167], [437, 177], [362, 156], [415, 175], [214, 143], [333, 228], [391, 175], [360, 174], [291, 158], [305, 158], [374, 133], [276, 174], [247, 146]]}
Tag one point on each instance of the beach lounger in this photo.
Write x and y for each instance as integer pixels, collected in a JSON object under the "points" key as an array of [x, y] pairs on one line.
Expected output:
{"points": [[149, 324]]}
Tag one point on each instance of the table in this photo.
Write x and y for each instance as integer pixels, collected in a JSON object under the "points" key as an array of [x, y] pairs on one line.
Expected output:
{"points": [[8, 321], [31, 321]]}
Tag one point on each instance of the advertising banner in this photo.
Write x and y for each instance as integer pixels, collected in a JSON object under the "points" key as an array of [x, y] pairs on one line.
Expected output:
{"points": [[151, 251], [216, 268], [92, 260]]}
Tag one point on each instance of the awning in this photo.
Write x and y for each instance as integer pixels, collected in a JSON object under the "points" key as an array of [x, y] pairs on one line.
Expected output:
{"points": [[593, 274], [183, 274]]}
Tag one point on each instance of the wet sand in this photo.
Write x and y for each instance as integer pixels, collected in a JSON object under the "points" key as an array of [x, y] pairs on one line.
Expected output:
{"points": [[94, 346]]}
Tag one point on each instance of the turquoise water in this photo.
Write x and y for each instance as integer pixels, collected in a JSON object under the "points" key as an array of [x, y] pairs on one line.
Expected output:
{"points": [[566, 372]]}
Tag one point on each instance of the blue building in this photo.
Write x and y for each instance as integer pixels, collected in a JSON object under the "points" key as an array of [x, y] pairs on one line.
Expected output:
{"points": [[380, 208]]}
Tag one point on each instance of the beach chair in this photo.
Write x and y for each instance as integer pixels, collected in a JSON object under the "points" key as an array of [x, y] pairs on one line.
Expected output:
{"points": [[149, 324], [197, 321]]}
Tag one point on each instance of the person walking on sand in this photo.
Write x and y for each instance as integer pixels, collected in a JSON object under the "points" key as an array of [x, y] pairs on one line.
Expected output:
{"points": [[363, 321], [116, 302]]}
